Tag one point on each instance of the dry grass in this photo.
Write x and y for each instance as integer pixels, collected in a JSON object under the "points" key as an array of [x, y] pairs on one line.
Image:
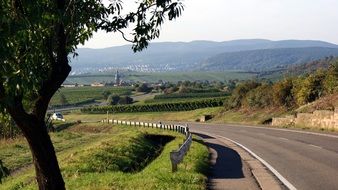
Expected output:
{"points": [[329, 102]]}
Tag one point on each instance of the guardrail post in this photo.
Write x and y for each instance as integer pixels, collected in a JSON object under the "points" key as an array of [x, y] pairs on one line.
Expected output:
{"points": [[174, 161]]}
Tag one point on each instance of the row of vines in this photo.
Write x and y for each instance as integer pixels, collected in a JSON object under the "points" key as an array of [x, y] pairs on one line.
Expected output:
{"points": [[160, 107], [191, 95]]}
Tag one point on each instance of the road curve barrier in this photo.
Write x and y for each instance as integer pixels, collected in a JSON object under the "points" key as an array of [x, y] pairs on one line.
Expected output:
{"points": [[176, 156]]}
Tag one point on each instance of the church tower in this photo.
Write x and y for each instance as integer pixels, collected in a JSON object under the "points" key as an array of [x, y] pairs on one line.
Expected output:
{"points": [[117, 78]]}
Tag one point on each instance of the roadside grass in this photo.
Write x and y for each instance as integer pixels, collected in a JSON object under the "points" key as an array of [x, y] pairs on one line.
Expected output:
{"points": [[220, 116], [255, 117], [62, 141], [189, 116], [118, 157]]}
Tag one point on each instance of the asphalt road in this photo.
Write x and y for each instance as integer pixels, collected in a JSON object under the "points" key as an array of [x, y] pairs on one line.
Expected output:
{"points": [[307, 161]]}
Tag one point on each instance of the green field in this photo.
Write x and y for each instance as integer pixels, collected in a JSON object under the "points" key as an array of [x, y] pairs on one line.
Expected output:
{"points": [[98, 156], [192, 115], [81, 94], [164, 76]]}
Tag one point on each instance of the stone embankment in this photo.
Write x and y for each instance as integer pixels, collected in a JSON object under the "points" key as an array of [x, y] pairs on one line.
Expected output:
{"points": [[318, 119]]}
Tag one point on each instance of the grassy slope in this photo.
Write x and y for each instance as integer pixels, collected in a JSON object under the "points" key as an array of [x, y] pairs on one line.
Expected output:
{"points": [[220, 116], [325, 103], [146, 116], [78, 151]]}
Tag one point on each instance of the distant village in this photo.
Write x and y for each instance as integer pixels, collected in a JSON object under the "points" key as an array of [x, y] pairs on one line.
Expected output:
{"points": [[118, 81]]}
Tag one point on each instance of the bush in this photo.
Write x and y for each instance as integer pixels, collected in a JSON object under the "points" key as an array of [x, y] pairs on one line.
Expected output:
{"points": [[260, 97], [113, 99], [239, 93], [282, 93], [4, 172], [125, 100], [143, 88], [106, 94], [8, 129]]}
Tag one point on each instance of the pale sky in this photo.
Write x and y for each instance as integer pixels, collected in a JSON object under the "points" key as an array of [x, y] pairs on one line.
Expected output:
{"points": [[222, 20]]}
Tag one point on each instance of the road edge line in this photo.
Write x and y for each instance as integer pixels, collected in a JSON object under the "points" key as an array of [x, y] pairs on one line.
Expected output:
{"points": [[265, 163]]}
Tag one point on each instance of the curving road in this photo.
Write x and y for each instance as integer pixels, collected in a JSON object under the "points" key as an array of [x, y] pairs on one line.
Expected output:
{"points": [[307, 160]]}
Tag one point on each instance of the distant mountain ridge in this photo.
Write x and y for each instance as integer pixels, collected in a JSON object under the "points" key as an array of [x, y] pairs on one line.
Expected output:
{"points": [[265, 59], [203, 55]]}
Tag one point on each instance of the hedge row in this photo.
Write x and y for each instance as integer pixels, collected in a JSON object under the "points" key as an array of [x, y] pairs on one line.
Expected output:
{"points": [[182, 106], [191, 95]]}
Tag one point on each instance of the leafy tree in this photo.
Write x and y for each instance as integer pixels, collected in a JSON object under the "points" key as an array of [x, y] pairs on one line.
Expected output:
{"points": [[125, 100], [170, 90], [113, 99], [106, 94], [36, 40], [143, 88], [240, 92], [260, 97], [309, 89], [282, 93], [331, 79]]}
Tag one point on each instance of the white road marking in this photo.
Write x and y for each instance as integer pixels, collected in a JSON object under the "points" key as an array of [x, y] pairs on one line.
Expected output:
{"points": [[266, 164], [315, 146], [269, 128], [283, 138]]}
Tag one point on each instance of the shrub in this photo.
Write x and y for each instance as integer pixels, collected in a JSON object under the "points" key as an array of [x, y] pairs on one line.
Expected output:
{"points": [[4, 172]]}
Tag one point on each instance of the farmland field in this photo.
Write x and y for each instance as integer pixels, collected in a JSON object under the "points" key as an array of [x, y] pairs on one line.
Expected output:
{"points": [[81, 94], [164, 76]]}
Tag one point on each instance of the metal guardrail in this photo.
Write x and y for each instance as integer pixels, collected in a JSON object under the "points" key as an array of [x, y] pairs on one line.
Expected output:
{"points": [[176, 156]]}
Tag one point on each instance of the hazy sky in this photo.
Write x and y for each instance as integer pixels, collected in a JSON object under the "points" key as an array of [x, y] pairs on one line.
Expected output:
{"points": [[221, 20]]}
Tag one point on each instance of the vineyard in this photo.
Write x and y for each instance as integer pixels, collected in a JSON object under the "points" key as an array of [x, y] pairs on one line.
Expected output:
{"points": [[191, 95], [160, 107], [87, 94]]}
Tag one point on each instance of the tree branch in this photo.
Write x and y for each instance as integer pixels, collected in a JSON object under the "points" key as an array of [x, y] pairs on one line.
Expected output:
{"points": [[59, 72], [60, 68], [124, 37]]}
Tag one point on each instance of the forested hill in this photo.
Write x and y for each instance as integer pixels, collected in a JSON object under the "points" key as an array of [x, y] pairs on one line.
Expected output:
{"points": [[203, 55], [312, 66], [300, 69], [266, 59]]}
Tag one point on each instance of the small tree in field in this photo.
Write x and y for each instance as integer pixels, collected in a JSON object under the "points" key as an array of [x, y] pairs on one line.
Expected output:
{"points": [[36, 40], [63, 99]]}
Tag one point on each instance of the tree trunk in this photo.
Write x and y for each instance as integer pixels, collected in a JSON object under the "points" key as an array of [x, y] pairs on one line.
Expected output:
{"points": [[48, 174]]}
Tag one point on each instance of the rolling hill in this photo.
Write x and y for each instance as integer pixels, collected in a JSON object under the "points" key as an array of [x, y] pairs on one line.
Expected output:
{"points": [[200, 55], [265, 59]]}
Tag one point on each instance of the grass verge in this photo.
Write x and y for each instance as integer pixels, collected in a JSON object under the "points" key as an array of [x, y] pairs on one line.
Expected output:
{"points": [[190, 116], [118, 157]]}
